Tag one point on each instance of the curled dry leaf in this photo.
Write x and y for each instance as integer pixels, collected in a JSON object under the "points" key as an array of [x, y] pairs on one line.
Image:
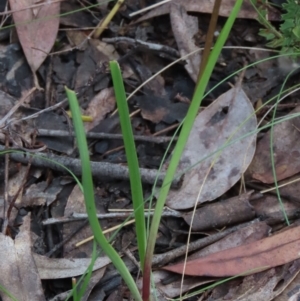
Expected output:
{"points": [[272, 210], [19, 274], [101, 104], [76, 203], [286, 145], [36, 27], [96, 277], [215, 170], [184, 28], [250, 258]]}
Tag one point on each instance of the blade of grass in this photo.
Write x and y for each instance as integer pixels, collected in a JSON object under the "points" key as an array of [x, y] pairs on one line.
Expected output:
{"points": [[6, 292], [186, 128], [74, 290], [88, 191], [83, 282], [272, 149], [131, 155]]}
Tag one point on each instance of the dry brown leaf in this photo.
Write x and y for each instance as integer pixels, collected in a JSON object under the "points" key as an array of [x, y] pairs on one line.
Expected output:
{"points": [[107, 49], [286, 145], [240, 237], [266, 253], [184, 28], [77, 38], [96, 277], [76, 203], [269, 207], [6, 104], [223, 119], [37, 28], [103, 103], [15, 182], [57, 268], [159, 109], [206, 6], [19, 274], [41, 193]]}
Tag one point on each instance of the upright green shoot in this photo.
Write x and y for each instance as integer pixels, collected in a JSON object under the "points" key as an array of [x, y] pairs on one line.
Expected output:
{"points": [[88, 191], [131, 155], [185, 131]]}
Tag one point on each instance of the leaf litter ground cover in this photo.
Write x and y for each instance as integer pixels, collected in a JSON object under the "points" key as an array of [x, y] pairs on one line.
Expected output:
{"points": [[224, 184]]}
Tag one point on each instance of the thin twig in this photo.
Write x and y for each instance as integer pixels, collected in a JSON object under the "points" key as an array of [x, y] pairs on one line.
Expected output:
{"points": [[61, 133], [148, 8], [100, 170], [150, 46], [80, 216], [5, 119], [59, 245]]}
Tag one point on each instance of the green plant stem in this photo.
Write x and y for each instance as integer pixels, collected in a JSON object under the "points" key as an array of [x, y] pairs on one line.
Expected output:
{"points": [[131, 155], [88, 191], [186, 128]]}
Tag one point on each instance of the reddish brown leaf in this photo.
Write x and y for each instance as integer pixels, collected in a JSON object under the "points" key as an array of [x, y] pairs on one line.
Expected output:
{"points": [[248, 234], [36, 28], [245, 235], [265, 253]]}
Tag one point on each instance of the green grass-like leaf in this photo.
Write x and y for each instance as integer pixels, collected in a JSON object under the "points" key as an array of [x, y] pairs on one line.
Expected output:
{"points": [[178, 150], [6, 292], [272, 155], [131, 155], [88, 191]]}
